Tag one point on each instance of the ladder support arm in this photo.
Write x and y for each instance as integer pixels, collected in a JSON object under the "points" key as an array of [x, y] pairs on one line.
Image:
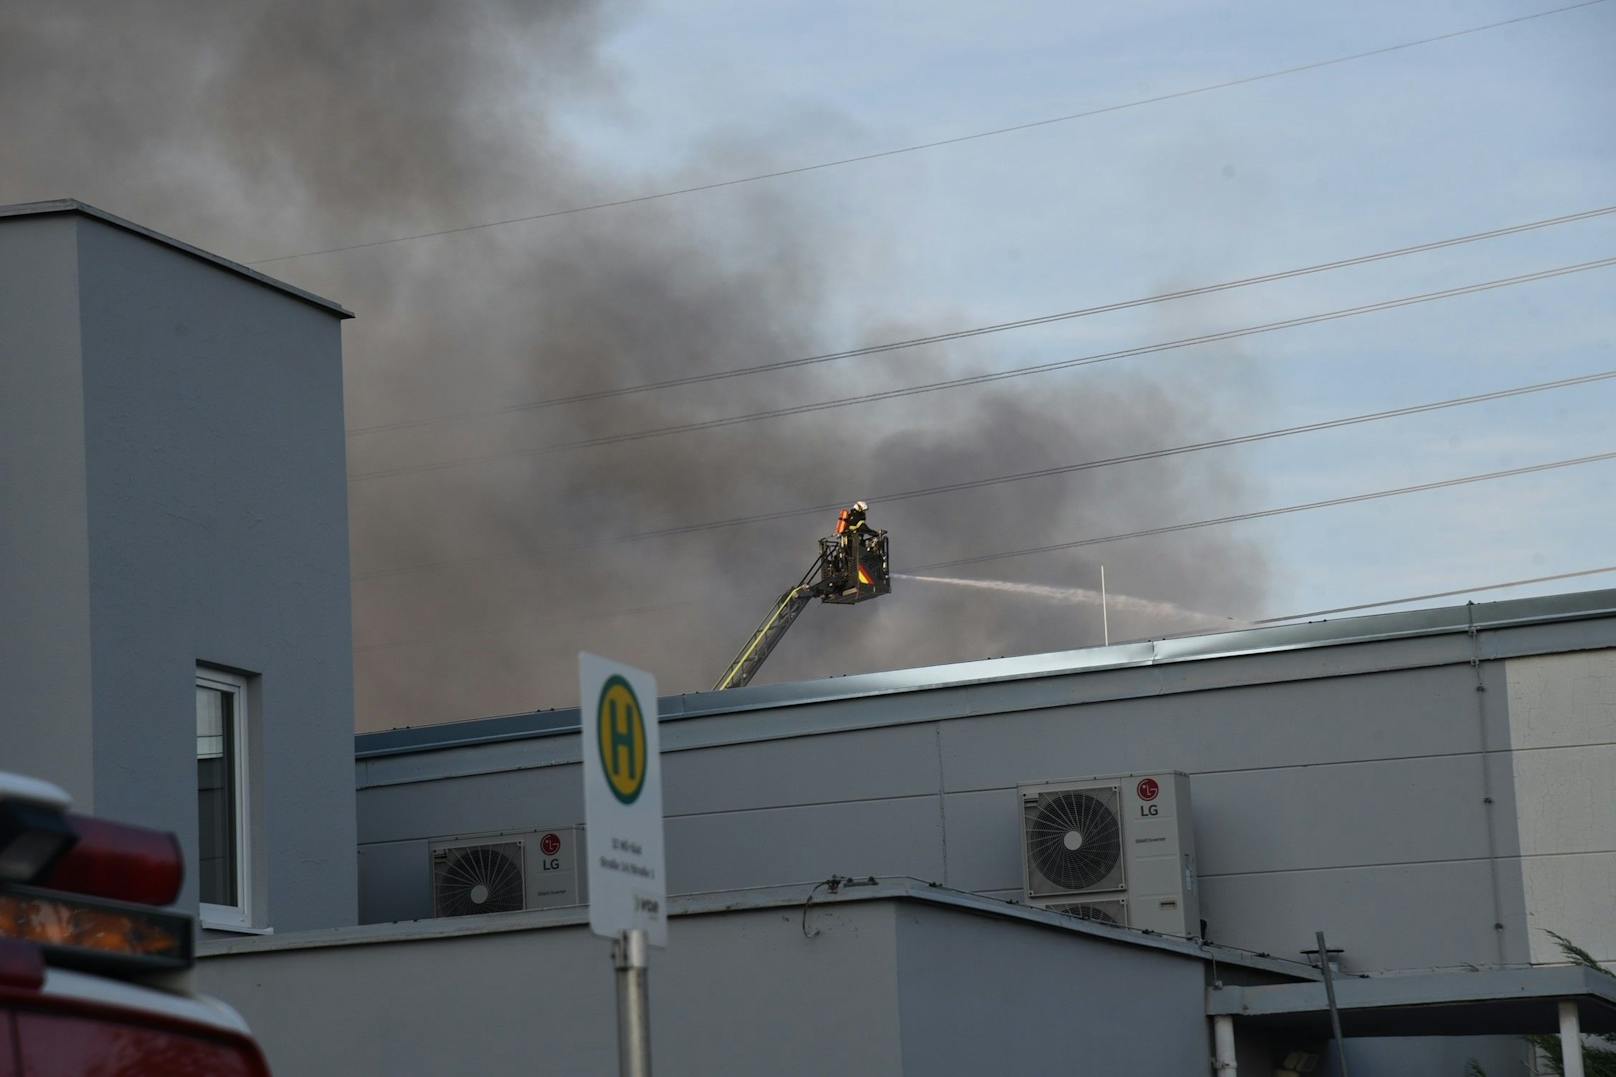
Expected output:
{"points": [[768, 635]]}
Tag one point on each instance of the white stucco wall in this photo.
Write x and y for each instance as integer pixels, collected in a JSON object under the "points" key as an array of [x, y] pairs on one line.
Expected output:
{"points": [[1562, 719]]}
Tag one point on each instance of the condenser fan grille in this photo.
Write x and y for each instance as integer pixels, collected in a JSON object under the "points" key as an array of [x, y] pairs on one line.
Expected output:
{"points": [[478, 878], [1073, 839], [1107, 913]]}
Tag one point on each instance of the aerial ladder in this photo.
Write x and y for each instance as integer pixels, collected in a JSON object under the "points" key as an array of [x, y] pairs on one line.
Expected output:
{"points": [[852, 567]]}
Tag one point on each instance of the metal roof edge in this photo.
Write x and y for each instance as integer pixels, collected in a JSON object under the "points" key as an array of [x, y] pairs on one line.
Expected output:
{"points": [[1370, 628], [1417, 988], [73, 205], [805, 896]]}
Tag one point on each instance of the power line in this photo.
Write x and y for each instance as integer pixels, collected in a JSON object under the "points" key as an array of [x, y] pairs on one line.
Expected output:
{"points": [[987, 378], [1260, 514], [1149, 454], [996, 480], [937, 143], [1437, 594], [983, 330]]}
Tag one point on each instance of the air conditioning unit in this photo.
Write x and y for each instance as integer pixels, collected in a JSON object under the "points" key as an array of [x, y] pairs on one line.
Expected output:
{"points": [[1118, 850], [507, 871]]}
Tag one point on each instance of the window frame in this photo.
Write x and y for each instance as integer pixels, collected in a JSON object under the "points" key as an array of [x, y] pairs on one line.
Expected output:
{"points": [[237, 917]]}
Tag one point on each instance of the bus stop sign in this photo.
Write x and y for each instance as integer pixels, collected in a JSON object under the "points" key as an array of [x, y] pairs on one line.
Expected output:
{"points": [[622, 799]]}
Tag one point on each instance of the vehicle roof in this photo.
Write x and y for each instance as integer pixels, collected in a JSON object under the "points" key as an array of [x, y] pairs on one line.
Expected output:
{"points": [[33, 790], [196, 1009]]}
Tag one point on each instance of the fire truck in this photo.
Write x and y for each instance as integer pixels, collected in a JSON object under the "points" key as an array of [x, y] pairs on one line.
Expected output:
{"points": [[853, 566], [95, 968]]}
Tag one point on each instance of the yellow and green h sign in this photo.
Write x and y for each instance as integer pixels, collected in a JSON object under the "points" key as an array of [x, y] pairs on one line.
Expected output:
{"points": [[620, 725]]}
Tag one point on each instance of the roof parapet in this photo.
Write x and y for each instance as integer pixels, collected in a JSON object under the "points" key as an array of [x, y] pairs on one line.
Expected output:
{"points": [[74, 206]]}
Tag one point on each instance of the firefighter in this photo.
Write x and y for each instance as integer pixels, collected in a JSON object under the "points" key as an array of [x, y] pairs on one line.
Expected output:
{"points": [[849, 527], [852, 519]]}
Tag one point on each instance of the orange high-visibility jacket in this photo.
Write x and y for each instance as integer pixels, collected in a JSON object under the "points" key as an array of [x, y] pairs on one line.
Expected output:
{"points": [[841, 522]]}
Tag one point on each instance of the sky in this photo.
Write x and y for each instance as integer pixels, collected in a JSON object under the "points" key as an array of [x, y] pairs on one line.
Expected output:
{"points": [[483, 560]]}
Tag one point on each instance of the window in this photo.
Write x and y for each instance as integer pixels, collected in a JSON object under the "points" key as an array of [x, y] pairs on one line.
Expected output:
{"points": [[221, 798]]}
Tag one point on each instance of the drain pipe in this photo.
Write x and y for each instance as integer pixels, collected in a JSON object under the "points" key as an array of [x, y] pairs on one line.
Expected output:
{"points": [[1223, 1045], [1570, 1040]]}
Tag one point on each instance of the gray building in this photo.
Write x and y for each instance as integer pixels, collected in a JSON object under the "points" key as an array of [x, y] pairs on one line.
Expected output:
{"points": [[174, 555], [1429, 788], [1432, 788], [876, 976], [879, 977]]}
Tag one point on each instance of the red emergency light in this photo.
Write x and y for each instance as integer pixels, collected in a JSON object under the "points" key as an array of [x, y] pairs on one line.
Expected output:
{"points": [[82, 889], [95, 933], [116, 860], [43, 844]]}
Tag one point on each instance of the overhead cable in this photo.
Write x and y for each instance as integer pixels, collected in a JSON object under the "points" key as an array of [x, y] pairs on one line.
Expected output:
{"points": [[981, 330], [936, 143], [1148, 454], [985, 378], [1261, 514], [996, 480], [1436, 594]]}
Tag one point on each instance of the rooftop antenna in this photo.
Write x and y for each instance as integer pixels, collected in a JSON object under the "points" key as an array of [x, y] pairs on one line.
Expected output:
{"points": [[1105, 614]]}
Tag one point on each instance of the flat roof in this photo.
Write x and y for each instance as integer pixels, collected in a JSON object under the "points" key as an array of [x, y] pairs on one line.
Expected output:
{"points": [[1312, 635], [73, 205], [1479, 1002], [798, 896]]}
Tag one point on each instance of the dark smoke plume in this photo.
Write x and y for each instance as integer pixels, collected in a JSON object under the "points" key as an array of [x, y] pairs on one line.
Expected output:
{"points": [[260, 129]]}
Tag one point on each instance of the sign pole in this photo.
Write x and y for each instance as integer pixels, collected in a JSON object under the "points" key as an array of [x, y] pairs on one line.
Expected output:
{"points": [[633, 1005]]}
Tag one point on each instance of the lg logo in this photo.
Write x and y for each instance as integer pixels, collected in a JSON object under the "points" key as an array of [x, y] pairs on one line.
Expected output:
{"points": [[1148, 789], [550, 845]]}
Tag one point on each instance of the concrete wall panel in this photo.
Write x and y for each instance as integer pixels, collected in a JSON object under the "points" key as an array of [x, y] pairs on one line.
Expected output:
{"points": [[1392, 811], [1391, 715], [859, 765], [730, 850], [1562, 710], [44, 527], [984, 840], [1562, 700], [982, 997], [1576, 897], [215, 473], [741, 993], [1404, 916], [1568, 799], [507, 800], [395, 882]]}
